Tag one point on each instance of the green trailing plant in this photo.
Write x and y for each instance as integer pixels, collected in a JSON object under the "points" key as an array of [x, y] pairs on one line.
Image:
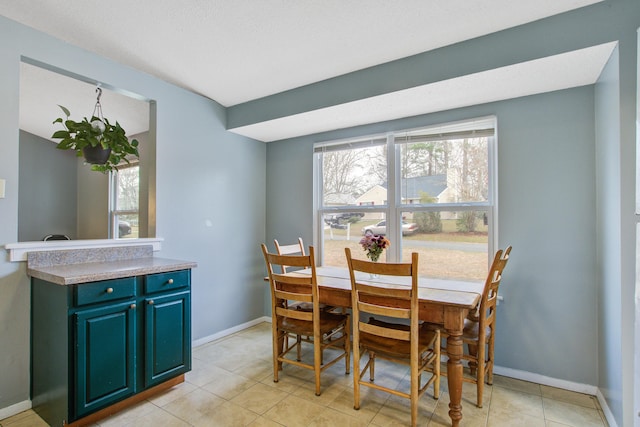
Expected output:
{"points": [[93, 133]]}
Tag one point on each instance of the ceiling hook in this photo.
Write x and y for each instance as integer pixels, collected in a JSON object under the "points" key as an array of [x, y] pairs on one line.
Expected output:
{"points": [[99, 92]]}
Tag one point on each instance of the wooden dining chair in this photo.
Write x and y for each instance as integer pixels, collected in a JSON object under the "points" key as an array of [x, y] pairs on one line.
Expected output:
{"points": [[479, 331], [297, 249], [403, 340], [323, 329], [479, 328], [291, 249]]}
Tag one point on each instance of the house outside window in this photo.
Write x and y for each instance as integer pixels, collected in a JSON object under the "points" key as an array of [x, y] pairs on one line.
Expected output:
{"points": [[429, 190]]}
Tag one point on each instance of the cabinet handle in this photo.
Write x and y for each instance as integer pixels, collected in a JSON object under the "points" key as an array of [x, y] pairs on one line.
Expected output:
{"points": [[151, 302], [170, 281], [109, 290], [132, 306]]}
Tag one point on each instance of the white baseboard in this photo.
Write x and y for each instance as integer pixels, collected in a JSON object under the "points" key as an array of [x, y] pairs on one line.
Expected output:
{"points": [[544, 380], [230, 331], [605, 408], [12, 410], [566, 385]]}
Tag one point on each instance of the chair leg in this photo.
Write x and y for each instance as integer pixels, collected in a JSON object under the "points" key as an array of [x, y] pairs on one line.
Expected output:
{"points": [[299, 347], [347, 346], [356, 376], [490, 360], [436, 366], [277, 343], [372, 366], [473, 352], [480, 371], [317, 361], [415, 384]]}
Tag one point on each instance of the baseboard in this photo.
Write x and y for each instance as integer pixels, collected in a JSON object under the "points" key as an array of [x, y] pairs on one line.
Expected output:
{"points": [[605, 409], [12, 410], [567, 385], [544, 380], [230, 331]]}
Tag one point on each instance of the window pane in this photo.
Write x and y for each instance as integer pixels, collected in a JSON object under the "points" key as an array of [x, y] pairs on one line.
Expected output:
{"points": [[127, 226], [126, 202], [448, 171], [347, 233], [355, 177], [451, 244], [128, 189]]}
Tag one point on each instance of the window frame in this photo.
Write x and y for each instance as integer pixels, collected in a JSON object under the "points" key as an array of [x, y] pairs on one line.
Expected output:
{"points": [[393, 211], [114, 213]]}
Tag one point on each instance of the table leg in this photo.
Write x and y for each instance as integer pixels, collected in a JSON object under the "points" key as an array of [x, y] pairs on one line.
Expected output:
{"points": [[454, 376], [454, 324]]}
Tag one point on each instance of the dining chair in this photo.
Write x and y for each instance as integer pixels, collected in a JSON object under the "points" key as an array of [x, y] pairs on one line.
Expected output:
{"points": [[291, 249], [297, 249], [392, 331], [322, 329], [479, 328]]}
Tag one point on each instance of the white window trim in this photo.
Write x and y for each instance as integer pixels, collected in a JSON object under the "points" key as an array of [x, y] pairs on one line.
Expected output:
{"points": [[393, 212]]}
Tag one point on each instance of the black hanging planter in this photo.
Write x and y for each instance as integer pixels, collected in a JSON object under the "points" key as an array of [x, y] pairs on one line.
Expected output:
{"points": [[96, 155]]}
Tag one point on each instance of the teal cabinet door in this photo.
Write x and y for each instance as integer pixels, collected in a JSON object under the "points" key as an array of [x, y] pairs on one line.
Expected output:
{"points": [[104, 356], [167, 336]]}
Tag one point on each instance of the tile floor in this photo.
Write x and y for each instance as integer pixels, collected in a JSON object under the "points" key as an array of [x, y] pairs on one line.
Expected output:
{"points": [[231, 384]]}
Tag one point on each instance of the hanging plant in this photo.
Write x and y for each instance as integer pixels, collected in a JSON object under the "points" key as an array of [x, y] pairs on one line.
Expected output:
{"points": [[103, 144]]}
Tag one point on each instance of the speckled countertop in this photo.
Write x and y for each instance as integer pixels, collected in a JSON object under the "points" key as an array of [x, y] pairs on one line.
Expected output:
{"points": [[90, 265]]}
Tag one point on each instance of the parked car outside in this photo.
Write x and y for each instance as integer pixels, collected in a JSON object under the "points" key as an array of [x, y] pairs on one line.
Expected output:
{"points": [[124, 228], [338, 220], [380, 228]]}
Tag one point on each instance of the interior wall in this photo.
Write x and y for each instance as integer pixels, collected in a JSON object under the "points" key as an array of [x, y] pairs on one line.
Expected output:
{"points": [[210, 199], [608, 224], [93, 202], [42, 207]]}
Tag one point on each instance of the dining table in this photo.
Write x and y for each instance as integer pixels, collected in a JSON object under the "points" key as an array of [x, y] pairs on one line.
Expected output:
{"points": [[441, 301]]}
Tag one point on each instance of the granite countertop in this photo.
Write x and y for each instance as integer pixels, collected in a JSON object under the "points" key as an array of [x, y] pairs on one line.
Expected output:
{"points": [[74, 267]]}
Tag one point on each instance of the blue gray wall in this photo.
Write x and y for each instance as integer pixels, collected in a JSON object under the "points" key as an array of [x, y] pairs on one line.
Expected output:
{"points": [[210, 198], [48, 196]]}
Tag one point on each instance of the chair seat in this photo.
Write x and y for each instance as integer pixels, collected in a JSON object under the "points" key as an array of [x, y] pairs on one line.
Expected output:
{"points": [[391, 346], [328, 323], [471, 330], [307, 306]]}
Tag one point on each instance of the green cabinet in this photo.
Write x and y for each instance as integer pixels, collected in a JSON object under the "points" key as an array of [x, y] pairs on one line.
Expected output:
{"points": [[95, 344], [104, 355]]}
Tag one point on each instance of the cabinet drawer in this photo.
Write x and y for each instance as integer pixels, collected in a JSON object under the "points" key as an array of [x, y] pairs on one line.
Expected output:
{"points": [[106, 290], [167, 281]]}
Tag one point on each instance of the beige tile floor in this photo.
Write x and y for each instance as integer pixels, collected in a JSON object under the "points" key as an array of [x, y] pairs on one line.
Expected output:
{"points": [[231, 384]]}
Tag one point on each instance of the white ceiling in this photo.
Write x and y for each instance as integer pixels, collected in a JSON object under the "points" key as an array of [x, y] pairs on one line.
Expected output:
{"points": [[235, 51]]}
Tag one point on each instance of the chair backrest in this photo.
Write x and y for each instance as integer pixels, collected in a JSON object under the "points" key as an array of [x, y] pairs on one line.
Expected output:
{"points": [[292, 288], [292, 249], [489, 300], [389, 301]]}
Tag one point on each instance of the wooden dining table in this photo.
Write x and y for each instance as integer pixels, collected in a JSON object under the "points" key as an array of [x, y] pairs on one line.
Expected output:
{"points": [[443, 302]]}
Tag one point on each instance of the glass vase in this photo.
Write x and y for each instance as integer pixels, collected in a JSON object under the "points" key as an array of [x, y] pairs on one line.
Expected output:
{"points": [[374, 275]]}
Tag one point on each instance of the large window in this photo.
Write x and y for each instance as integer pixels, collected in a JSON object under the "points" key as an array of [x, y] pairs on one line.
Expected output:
{"points": [[429, 190]]}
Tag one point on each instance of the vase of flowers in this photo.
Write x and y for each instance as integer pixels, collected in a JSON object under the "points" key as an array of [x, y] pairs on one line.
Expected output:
{"points": [[373, 245]]}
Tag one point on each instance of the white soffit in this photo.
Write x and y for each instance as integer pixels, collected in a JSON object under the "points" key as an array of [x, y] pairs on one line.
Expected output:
{"points": [[571, 69]]}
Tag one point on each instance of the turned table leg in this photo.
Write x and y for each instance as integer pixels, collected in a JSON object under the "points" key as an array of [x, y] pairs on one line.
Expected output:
{"points": [[454, 323]]}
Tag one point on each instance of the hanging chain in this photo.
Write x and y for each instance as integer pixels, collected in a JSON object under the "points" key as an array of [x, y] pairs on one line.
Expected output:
{"points": [[97, 110]]}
